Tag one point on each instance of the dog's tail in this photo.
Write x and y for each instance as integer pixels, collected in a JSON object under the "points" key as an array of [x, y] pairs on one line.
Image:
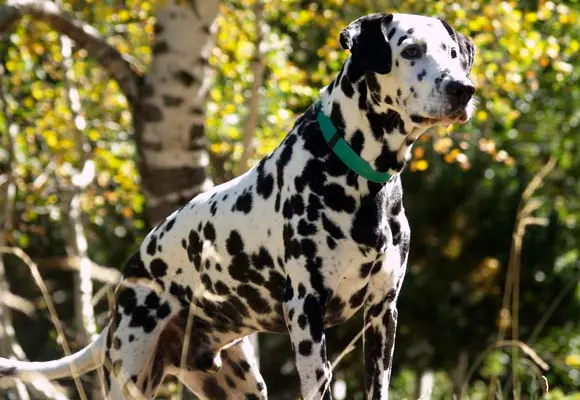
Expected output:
{"points": [[82, 361]]}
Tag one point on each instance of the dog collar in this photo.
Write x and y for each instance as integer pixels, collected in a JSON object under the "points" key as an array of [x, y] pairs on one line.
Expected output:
{"points": [[343, 151]]}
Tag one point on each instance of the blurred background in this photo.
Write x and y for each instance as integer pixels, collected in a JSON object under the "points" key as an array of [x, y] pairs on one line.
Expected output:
{"points": [[102, 137]]}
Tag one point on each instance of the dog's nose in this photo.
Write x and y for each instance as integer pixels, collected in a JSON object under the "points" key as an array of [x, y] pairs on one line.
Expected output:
{"points": [[459, 92]]}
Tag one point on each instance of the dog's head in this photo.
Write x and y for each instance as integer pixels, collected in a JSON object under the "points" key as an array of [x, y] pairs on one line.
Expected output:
{"points": [[419, 65]]}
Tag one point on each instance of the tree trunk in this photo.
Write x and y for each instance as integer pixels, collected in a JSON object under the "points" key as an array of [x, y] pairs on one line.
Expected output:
{"points": [[169, 118], [74, 229], [258, 70]]}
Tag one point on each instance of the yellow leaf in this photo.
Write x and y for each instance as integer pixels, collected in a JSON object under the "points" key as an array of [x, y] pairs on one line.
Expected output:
{"points": [[11, 65], [421, 165], [481, 115], [28, 102], [124, 15], [573, 360]]}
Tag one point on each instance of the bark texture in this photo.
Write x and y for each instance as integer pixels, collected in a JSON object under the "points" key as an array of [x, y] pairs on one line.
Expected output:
{"points": [[170, 117]]}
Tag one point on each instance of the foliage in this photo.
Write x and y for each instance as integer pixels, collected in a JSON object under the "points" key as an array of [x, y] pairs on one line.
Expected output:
{"points": [[527, 71]]}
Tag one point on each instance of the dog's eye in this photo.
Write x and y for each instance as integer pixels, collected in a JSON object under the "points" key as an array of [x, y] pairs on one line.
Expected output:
{"points": [[412, 52]]}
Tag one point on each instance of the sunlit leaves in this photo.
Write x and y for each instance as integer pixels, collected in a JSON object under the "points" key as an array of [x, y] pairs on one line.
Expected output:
{"points": [[46, 145]]}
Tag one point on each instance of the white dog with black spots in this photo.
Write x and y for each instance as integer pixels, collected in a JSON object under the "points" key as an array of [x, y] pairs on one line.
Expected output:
{"points": [[300, 242]]}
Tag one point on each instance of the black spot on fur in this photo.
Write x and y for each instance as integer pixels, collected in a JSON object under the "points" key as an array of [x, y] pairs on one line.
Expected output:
{"points": [[230, 382], [135, 268], [275, 284], [305, 228], [386, 160], [308, 248], [362, 100], [284, 159], [357, 141], [302, 321], [332, 229], [391, 33], [209, 232], [301, 291], [183, 294], [397, 205], [221, 288], [373, 84], [163, 311], [313, 208], [421, 75], [395, 231], [234, 243], [262, 259], [158, 268], [240, 270], [346, 86], [255, 301], [336, 116], [243, 203], [305, 348], [391, 295], [357, 299], [206, 281], [366, 222], [373, 349], [265, 182], [152, 301], [314, 315], [313, 265], [152, 246], [141, 318], [127, 298], [336, 198], [331, 243], [297, 204], [194, 248]]}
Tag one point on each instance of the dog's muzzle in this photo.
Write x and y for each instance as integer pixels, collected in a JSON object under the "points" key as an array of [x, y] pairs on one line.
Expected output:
{"points": [[459, 94]]}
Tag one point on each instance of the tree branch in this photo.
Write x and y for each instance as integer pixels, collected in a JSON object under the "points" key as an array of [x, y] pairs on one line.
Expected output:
{"points": [[98, 272], [116, 64]]}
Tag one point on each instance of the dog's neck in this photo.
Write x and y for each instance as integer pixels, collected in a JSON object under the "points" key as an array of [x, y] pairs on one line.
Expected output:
{"points": [[359, 109]]}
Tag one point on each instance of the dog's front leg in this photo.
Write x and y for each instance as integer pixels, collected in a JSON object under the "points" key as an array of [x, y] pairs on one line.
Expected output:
{"points": [[379, 343], [303, 313]]}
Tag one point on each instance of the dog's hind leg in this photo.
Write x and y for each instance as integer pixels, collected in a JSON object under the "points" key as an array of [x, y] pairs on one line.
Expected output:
{"points": [[131, 369], [238, 378]]}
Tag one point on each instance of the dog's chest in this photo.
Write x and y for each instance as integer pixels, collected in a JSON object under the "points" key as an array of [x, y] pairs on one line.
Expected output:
{"points": [[354, 248]]}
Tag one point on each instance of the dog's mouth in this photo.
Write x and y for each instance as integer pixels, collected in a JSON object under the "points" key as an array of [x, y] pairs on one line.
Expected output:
{"points": [[460, 116]]}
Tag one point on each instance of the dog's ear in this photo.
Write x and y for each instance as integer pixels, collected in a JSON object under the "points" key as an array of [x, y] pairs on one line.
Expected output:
{"points": [[366, 38], [466, 52], [466, 47]]}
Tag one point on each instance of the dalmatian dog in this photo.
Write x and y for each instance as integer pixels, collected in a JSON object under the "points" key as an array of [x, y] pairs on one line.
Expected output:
{"points": [[299, 243]]}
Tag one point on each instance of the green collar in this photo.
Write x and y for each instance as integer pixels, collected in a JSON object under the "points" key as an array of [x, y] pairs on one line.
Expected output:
{"points": [[346, 154]]}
